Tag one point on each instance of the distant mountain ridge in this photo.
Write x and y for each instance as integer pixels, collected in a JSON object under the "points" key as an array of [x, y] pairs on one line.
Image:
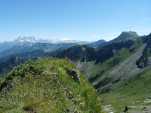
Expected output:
{"points": [[29, 47], [126, 35], [97, 43]]}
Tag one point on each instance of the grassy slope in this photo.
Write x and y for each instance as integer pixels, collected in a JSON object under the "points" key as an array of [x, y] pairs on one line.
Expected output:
{"points": [[44, 86], [131, 93], [118, 57], [121, 66], [95, 71]]}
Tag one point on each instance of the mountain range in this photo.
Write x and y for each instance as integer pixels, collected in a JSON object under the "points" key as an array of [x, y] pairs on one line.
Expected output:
{"points": [[118, 69]]}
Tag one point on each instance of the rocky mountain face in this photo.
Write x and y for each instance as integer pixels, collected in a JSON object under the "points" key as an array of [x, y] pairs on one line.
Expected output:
{"points": [[124, 36]]}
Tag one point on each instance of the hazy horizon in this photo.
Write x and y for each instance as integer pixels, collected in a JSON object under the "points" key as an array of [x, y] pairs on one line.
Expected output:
{"points": [[53, 40], [84, 20]]}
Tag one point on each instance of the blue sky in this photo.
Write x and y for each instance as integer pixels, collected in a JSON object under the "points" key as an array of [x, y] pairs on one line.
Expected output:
{"points": [[73, 19]]}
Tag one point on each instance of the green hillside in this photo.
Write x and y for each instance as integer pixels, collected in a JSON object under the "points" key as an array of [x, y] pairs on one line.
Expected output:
{"points": [[47, 86], [134, 93]]}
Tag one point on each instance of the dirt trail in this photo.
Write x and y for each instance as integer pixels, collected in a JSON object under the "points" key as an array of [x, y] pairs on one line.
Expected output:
{"points": [[108, 109]]}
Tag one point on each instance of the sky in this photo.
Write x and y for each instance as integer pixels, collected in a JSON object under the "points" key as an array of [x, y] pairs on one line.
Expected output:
{"points": [[86, 20]]}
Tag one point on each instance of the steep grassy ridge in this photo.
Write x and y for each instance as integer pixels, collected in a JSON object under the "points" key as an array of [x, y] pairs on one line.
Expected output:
{"points": [[47, 86]]}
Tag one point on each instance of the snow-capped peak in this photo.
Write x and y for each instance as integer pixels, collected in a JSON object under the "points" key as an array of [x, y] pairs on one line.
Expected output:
{"points": [[26, 39], [32, 40]]}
